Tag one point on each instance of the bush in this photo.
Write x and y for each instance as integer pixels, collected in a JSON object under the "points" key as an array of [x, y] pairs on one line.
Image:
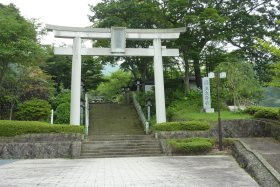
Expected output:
{"points": [[62, 113], [34, 110], [263, 112], [13, 128], [191, 145], [267, 113], [253, 109], [182, 126]]}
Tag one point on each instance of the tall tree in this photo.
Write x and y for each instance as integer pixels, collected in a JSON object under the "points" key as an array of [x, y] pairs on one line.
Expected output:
{"points": [[131, 14], [18, 42]]}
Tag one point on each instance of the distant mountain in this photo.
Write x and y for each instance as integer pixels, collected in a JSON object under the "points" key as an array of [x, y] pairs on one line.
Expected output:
{"points": [[271, 97]]}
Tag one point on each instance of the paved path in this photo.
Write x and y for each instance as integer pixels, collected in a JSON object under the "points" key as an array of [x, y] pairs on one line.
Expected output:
{"points": [[268, 148], [191, 171]]}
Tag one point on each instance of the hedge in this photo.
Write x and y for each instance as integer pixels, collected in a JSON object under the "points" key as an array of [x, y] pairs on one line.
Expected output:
{"points": [[191, 145], [182, 126], [34, 110], [13, 128], [263, 112]]}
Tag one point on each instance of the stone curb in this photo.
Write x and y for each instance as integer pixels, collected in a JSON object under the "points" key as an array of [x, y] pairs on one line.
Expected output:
{"points": [[271, 170]]}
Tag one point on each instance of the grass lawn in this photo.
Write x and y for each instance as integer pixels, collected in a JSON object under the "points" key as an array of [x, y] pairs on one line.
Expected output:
{"points": [[210, 116]]}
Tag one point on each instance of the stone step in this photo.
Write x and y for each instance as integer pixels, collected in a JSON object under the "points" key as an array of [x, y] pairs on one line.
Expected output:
{"points": [[129, 147], [119, 137], [121, 150], [114, 156], [120, 153]]}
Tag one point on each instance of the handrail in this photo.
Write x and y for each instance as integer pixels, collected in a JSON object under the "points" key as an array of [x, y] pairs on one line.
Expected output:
{"points": [[140, 113], [86, 114]]}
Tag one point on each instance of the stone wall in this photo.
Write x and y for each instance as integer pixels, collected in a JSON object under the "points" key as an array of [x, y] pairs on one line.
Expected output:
{"points": [[231, 129], [41, 146]]}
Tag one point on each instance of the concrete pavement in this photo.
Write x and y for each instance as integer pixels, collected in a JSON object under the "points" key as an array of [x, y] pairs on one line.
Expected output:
{"points": [[268, 148], [190, 171]]}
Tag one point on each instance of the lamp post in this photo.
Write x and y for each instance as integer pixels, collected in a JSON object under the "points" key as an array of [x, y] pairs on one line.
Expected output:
{"points": [[138, 84], [149, 104], [127, 90], [219, 75]]}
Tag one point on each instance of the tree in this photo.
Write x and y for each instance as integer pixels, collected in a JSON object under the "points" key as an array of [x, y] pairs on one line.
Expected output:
{"points": [[112, 87], [241, 84], [18, 42], [222, 22], [130, 14], [60, 67]]}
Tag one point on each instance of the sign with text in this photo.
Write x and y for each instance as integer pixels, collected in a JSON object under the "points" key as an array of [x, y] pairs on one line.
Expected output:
{"points": [[206, 93]]}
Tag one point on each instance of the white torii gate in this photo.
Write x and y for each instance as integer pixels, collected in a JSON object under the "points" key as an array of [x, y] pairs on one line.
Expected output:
{"points": [[118, 35]]}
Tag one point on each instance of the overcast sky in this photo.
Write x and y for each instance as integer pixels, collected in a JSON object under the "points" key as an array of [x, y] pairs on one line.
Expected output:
{"points": [[55, 12]]}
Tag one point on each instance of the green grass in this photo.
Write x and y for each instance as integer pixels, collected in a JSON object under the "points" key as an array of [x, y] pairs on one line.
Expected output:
{"points": [[210, 116], [191, 145], [14, 128], [182, 126], [189, 109]]}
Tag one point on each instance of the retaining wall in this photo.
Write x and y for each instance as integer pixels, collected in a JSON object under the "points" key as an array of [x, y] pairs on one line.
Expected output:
{"points": [[41, 146], [230, 128]]}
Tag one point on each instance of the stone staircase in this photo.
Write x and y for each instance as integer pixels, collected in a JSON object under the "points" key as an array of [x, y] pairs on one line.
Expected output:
{"points": [[115, 131], [121, 146]]}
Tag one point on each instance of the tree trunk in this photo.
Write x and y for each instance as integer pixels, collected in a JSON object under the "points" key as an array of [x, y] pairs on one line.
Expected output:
{"points": [[197, 72], [11, 111], [186, 77]]}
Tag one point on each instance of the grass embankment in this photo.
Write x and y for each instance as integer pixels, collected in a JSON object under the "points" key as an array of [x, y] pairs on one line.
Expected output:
{"points": [[14, 128], [188, 109]]}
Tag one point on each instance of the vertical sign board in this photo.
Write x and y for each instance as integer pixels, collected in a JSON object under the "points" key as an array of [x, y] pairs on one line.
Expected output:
{"points": [[118, 40], [206, 95]]}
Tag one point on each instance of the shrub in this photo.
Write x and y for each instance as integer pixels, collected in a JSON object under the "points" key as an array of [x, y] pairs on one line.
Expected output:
{"points": [[253, 109], [191, 145], [263, 112], [182, 125], [13, 128], [267, 113], [34, 110], [63, 113]]}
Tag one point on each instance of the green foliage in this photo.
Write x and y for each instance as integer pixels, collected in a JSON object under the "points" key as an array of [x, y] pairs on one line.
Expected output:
{"points": [[62, 113], [253, 109], [263, 112], [14, 128], [59, 67], [112, 87], [241, 84], [18, 40], [182, 126], [61, 104], [191, 103], [34, 110], [267, 113], [191, 145], [63, 97]]}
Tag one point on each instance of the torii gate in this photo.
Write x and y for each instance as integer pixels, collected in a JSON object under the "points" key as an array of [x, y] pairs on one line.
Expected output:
{"points": [[118, 36]]}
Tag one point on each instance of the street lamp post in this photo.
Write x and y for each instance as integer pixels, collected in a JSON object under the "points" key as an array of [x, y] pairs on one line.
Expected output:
{"points": [[138, 84], [149, 104], [219, 75]]}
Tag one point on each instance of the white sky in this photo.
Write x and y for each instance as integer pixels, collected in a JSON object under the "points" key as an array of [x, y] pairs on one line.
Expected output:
{"points": [[56, 12]]}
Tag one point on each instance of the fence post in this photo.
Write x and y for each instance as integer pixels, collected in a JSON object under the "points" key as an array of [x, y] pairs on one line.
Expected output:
{"points": [[52, 116]]}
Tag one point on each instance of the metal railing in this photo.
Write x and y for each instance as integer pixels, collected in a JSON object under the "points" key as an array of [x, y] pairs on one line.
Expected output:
{"points": [[86, 114]]}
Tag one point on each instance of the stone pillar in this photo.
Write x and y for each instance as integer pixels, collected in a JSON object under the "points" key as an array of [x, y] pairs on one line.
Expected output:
{"points": [[76, 82], [159, 82]]}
